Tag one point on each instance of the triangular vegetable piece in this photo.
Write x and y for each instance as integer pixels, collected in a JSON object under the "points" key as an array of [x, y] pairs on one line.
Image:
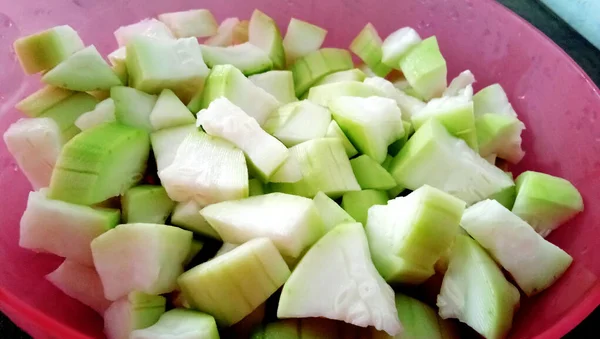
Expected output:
{"points": [[169, 112], [546, 201], [358, 203], [331, 213], [409, 105], [323, 94], [354, 74], [298, 122], [289, 172], [397, 44], [264, 153], [280, 84], [433, 157], [337, 280], [291, 222], [35, 144], [245, 276], [264, 33], [425, 68], [475, 291], [302, 38], [85, 70], [492, 99], [372, 124], [195, 174], [198, 23], [324, 166], [179, 324], [315, 65], [334, 131], [146, 203], [533, 262], [135, 311], [103, 112], [140, 257], [166, 142], [151, 28], [187, 216], [66, 112], [225, 33], [42, 99], [133, 107], [44, 50], [248, 58], [500, 134], [100, 163], [227, 81], [367, 45], [404, 229], [370, 174]]}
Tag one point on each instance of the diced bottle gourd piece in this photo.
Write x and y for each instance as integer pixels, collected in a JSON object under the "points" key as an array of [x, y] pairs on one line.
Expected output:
{"points": [[367, 45], [298, 122], [324, 166], [475, 291], [198, 23], [227, 81], [255, 187], [62, 228], [500, 134], [545, 202], [279, 84], [418, 228], [461, 85], [533, 262], [357, 204], [195, 248], [169, 112], [41, 100], [324, 94], [133, 107], [245, 276], [246, 57], [132, 312], [264, 33], [140, 257], [103, 112], [195, 173], [372, 124], [334, 131], [306, 328], [370, 174], [289, 172], [264, 153], [330, 281], [331, 213], [302, 38], [180, 324], [409, 106], [187, 216], [315, 65], [240, 32], [507, 196], [291, 222], [420, 320], [151, 28], [354, 74], [100, 163], [433, 157], [44, 50], [66, 112], [166, 142], [35, 144], [225, 33], [85, 70], [454, 113], [397, 44], [425, 68], [397, 145], [146, 204], [154, 65], [118, 56], [492, 99], [81, 283]]}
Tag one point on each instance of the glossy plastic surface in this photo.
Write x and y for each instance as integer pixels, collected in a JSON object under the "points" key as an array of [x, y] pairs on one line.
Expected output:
{"points": [[556, 100]]}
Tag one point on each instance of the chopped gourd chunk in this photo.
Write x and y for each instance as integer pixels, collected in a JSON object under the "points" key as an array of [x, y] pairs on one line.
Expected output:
{"points": [[103, 112], [166, 142], [314, 66], [425, 69], [66, 112], [334, 131], [331, 213], [324, 94], [302, 38], [169, 112], [500, 134], [421, 320], [187, 216], [180, 324], [397, 44], [264, 33], [357, 204], [298, 122], [41, 100], [133, 107], [198, 23], [146, 204], [225, 33], [370, 174], [151, 28], [409, 106], [135, 311], [368, 46], [279, 84], [246, 57], [354, 74]]}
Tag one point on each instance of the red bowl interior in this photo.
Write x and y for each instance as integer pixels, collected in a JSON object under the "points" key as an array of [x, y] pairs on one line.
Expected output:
{"points": [[556, 100]]}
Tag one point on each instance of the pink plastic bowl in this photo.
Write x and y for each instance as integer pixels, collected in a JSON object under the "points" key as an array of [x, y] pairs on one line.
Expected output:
{"points": [[556, 100]]}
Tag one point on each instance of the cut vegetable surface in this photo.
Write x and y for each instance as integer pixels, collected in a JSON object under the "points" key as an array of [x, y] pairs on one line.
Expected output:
{"points": [[140, 257], [397, 44], [133, 107], [367, 45], [492, 99], [291, 222], [135, 311], [180, 324], [225, 33], [166, 142], [334, 131], [358, 203], [337, 280], [169, 111], [187, 216], [370, 174], [151, 28], [42, 99], [67, 111], [323, 94], [245, 276], [103, 112], [533, 262], [425, 68], [354, 74], [298, 122], [500, 134], [198, 23], [420, 321], [279, 84], [302, 38], [248, 58], [62, 228], [146, 204], [264, 33], [331, 213], [316, 65], [409, 105]]}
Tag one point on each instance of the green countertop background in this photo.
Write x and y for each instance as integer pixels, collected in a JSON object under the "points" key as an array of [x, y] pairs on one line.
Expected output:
{"points": [[583, 52]]}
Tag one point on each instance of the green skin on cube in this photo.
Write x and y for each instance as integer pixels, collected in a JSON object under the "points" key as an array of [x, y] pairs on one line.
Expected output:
{"points": [[331, 213], [135, 311], [44, 50], [280, 84], [42, 100], [334, 131], [420, 320], [425, 69], [507, 196], [66, 112], [180, 323], [371, 175], [354, 74], [168, 111], [146, 204], [100, 163], [264, 33], [357, 204], [133, 107], [246, 57], [500, 134], [314, 66], [245, 276], [301, 38], [298, 122], [323, 94], [475, 291], [545, 202], [367, 45]]}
